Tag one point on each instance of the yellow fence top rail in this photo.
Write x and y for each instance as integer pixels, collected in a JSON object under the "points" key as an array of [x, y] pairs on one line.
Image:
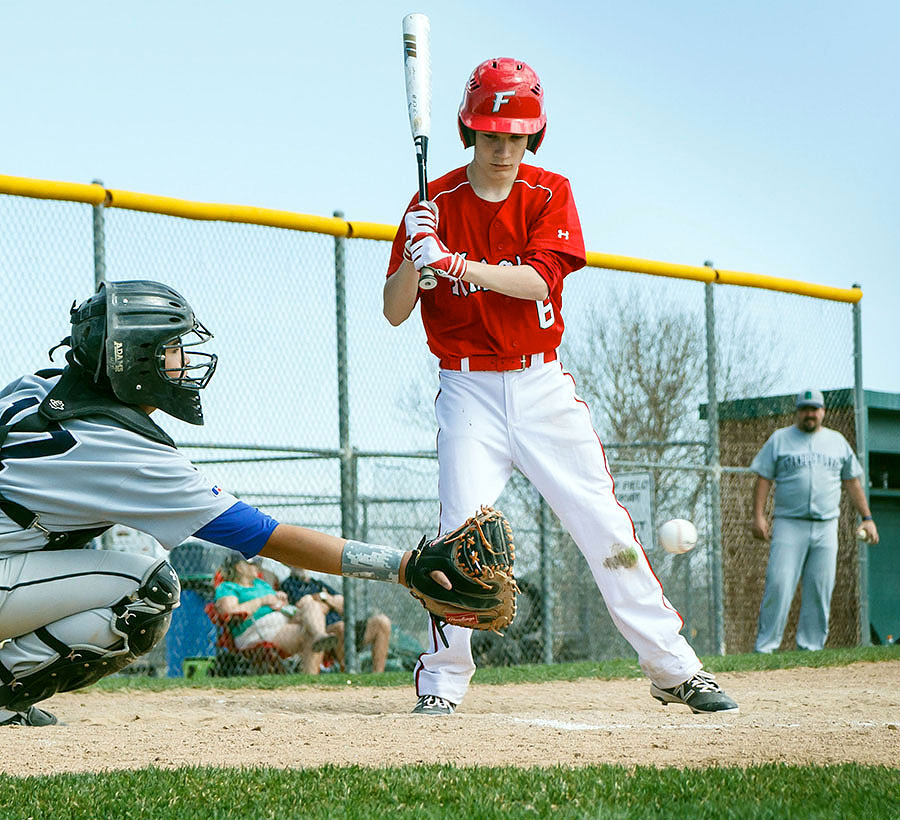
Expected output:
{"points": [[723, 277], [95, 194]]}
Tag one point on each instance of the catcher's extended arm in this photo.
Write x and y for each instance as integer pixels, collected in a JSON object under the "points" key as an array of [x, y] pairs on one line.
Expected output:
{"points": [[478, 559]]}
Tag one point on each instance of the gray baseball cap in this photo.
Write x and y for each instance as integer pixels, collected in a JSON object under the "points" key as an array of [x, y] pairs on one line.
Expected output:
{"points": [[810, 398]]}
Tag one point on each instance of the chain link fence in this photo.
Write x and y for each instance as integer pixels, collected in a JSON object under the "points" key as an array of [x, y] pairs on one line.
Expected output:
{"points": [[320, 414]]}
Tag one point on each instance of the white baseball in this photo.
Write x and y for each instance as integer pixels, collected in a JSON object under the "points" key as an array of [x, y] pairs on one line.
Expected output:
{"points": [[678, 536]]}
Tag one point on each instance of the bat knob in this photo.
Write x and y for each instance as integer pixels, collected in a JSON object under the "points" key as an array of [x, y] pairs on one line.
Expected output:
{"points": [[427, 280]]}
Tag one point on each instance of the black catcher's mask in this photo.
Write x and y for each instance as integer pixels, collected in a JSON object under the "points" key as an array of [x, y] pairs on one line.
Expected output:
{"points": [[120, 337]]}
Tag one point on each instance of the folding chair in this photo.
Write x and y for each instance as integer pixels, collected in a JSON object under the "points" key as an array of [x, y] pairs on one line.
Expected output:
{"points": [[261, 659]]}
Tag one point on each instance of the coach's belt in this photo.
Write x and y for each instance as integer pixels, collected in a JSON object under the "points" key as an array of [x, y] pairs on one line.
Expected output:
{"points": [[497, 363]]}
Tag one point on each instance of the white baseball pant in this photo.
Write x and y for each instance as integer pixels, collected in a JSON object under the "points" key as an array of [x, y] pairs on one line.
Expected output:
{"points": [[532, 419]]}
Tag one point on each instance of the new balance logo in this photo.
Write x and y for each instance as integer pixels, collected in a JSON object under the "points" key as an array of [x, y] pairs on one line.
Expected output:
{"points": [[501, 98], [561, 234]]}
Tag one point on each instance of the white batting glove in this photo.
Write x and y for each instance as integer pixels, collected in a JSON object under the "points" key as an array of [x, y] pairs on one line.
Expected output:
{"points": [[407, 253], [428, 251], [421, 218]]}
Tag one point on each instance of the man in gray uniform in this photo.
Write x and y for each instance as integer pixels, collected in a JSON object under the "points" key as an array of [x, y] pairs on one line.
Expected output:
{"points": [[808, 464], [78, 453]]}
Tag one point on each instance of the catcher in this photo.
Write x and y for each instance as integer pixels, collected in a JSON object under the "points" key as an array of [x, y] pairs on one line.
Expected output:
{"points": [[80, 452]]}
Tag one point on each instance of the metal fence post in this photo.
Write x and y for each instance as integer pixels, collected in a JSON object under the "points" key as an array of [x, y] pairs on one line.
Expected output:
{"points": [[99, 239], [546, 582], [348, 457], [861, 423], [713, 460]]}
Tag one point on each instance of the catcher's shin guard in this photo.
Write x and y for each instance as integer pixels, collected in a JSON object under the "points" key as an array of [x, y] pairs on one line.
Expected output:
{"points": [[36, 666]]}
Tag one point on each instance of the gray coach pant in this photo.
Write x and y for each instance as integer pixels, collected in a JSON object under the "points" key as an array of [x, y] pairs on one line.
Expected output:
{"points": [[800, 548]]}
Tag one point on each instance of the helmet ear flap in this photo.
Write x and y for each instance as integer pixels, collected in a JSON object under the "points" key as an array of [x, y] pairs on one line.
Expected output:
{"points": [[466, 134], [535, 140]]}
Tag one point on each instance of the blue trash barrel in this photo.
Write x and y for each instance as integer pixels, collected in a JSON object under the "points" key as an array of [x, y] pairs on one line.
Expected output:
{"points": [[191, 633]]}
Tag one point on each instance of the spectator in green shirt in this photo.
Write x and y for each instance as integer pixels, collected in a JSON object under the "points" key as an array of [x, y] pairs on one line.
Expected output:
{"points": [[269, 618]]}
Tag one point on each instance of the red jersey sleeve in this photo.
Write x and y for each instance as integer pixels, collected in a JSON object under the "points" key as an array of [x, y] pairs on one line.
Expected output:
{"points": [[556, 226], [551, 266]]}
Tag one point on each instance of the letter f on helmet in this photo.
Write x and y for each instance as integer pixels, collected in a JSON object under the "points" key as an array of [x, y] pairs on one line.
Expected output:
{"points": [[500, 98]]}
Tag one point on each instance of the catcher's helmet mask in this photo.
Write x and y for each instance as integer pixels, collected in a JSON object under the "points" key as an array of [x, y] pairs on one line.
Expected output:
{"points": [[503, 96], [120, 337]]}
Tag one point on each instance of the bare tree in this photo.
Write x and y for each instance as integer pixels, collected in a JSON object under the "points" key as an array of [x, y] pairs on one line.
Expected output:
{"points": [[644, 375], [644, 371], [640, 371]]}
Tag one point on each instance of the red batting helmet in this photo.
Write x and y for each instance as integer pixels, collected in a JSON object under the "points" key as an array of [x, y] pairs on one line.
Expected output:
{"points": [[503, 96]]}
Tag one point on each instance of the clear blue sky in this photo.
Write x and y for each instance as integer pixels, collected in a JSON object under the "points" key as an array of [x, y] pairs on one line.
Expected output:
{"points": [[762, 135]]}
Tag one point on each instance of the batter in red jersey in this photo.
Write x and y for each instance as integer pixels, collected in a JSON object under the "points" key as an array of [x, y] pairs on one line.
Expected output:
{"points": [[502, 236]]}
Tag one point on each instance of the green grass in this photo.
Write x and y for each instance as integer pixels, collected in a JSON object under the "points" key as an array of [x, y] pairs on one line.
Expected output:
{"points": [[772, 791], [603, 670]]}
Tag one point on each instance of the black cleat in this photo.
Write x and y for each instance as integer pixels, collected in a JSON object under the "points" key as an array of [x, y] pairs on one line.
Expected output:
{"points": [[433, 705], [33, 717], [701, 693]]}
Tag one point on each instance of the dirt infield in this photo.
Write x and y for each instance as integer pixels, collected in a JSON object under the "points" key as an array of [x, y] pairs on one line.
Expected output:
{"points": [[806, 716]]}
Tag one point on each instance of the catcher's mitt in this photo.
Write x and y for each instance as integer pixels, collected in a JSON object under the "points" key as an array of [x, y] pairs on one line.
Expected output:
{"points": [[478, 559]]}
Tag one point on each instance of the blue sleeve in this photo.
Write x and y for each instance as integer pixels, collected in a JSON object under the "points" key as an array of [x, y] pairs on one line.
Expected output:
{"points": [[241, 527]]}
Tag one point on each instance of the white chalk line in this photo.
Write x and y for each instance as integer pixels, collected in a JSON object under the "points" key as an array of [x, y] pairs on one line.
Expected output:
{"points": [[570, 726], [698, 725]]}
